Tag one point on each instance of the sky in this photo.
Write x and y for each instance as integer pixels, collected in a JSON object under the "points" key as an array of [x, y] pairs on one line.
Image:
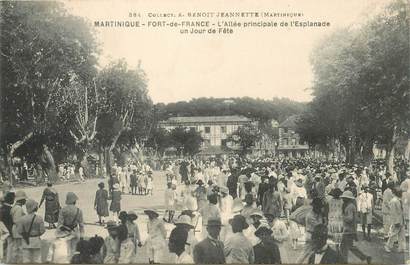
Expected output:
{"points": [[259, 63]]}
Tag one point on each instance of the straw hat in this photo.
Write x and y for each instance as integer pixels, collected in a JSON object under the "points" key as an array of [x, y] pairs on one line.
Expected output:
{"points": [[71, 198], [239, 221], [151, 212], [116, 186], [237, 205], [184, 219], [20, 195], [31, 206], [132, 215], [348, 194], [224, 189], [111, 225]]}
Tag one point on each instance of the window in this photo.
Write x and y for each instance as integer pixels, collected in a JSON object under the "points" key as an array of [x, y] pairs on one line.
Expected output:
{"points": [[207, 129], [293, 141], [223, 129], [285, 141], [285, 130]]}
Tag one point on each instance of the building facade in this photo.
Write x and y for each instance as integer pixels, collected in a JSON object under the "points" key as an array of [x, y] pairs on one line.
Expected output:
{"points": [[214, 129], [289, 143]]}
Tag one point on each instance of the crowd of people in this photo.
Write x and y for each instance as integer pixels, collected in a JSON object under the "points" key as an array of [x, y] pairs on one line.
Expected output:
{"points": [[246, 210]]}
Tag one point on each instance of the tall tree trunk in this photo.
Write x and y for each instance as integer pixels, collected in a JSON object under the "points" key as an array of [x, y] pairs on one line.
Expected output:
{"points": [[390, 150], [367, 152], [49, 165], [101, 164]]}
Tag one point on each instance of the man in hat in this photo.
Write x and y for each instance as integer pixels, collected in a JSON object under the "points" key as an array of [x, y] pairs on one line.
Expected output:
{"points": [[50, 196], [238, 249], [209, 211], [31, 227], [184, 222], [351, 185], [177, 244], [322, 252], [16, 242], [266, 251], [349, 228], [71, 217], [210, 250]]}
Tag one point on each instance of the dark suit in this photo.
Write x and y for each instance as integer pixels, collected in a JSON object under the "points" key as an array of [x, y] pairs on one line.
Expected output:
{"points": [[330, 257], [208, 251], [267, 253]]}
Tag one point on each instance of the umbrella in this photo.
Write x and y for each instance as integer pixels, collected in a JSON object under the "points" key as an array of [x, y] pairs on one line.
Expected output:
{"points": [[300, 213]]}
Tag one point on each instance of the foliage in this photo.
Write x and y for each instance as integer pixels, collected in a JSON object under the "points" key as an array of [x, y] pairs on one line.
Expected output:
{"points": [[246, 136], [187, 142]]}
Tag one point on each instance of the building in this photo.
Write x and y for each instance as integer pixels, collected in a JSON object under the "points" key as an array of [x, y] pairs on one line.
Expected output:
{"points": [[214, 129], [289, 143]]}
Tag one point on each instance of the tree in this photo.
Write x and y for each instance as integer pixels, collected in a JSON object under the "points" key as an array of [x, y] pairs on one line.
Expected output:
{"points": [[40, 44], [246, 136], [186, 141], [125, 102]]}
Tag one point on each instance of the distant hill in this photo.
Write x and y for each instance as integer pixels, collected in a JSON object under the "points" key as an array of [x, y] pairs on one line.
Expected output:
{"points": [[278, 109]]}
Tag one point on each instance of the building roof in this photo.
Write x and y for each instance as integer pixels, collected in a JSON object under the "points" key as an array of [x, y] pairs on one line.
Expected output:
{"points": [[207, 119], [290, 122]]}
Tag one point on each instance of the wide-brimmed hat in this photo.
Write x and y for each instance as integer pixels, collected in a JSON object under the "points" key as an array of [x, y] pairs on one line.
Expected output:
{"points": [[257, 212], [101, 184], [348, 194], [263, 230], [237, 205], [214, 222], [20, 195], [224, 189], [151, 212], [116, 186], [184, 219], [62, 232], [239, 221], [31, 206], [111, 225], [71, 198], [132, 215], [190, 213]]}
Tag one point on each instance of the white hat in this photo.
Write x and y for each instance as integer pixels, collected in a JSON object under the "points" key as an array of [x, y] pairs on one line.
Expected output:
{"points": [[184, 219]]}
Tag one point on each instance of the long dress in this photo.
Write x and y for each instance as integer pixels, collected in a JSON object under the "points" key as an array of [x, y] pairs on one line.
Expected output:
{"points": [[101, 203], [50, 196]]}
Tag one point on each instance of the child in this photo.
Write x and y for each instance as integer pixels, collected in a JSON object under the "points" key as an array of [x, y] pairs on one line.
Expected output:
{"points": [[115, 206], [58, 251], [150, 184]]}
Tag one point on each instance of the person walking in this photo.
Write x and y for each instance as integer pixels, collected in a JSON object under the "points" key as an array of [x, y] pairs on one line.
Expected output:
{"points": [[266, 251], [31, 227], [71, 217], [52, 202], [101, 203], [134, 182], [238, 249], [200, 194], [115, 206], [365, 208], [349, 229], [156, 237], [14, 249], [397, 228], [272, 202], [177, 244], [133, 230], [184, 221], [210, 250]]}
